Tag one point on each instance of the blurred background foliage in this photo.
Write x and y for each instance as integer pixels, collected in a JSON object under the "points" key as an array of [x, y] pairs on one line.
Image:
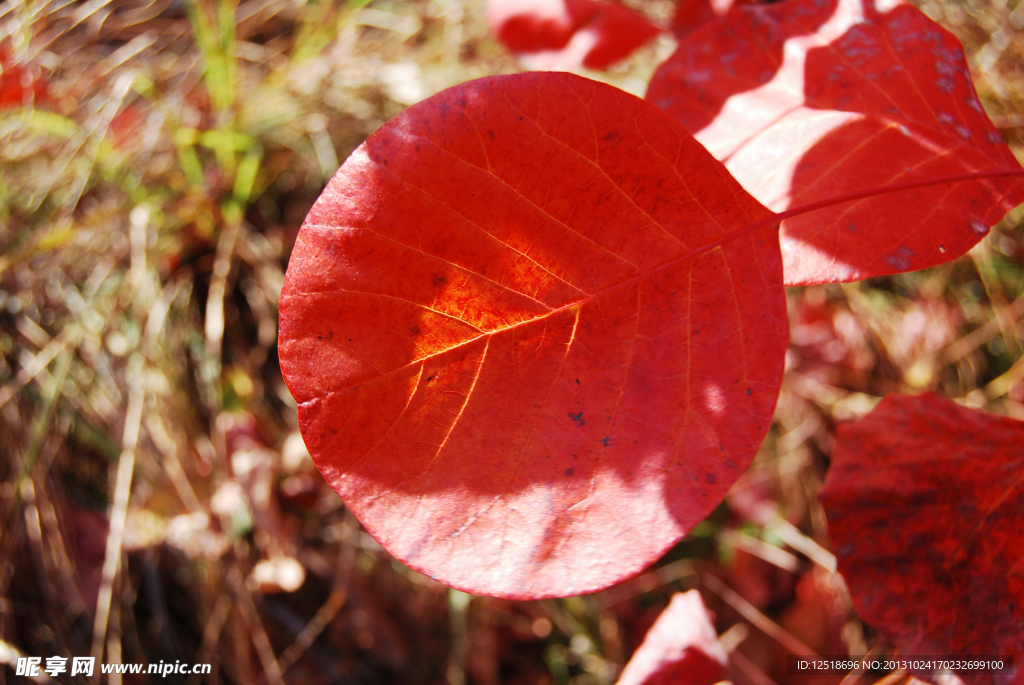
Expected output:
{"points": [[156, 160]]}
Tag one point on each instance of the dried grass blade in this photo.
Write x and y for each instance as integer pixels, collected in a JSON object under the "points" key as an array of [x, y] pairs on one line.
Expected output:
{"points": [[751, 613], [119, 513]]}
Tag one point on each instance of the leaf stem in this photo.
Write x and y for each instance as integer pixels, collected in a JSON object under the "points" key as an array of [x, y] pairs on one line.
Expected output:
{"points": [[895, 188]]}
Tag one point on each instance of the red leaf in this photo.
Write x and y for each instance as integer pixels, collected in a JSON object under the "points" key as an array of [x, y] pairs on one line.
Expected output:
{"points": [[806, 102], [681, 647], [126, 127], [565, 34], [925, 505], [529, 349], [20, 85], [692, 14]]}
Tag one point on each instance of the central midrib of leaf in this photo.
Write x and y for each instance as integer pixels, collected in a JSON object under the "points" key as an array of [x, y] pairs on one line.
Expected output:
{"points": [[576, 304]]}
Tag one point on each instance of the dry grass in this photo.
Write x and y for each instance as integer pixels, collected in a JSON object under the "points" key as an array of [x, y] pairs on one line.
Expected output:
{"points": [[156, 501]]}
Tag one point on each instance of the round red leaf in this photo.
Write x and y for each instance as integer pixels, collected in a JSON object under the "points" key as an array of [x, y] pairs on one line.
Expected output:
{"points": [[531, 341]]}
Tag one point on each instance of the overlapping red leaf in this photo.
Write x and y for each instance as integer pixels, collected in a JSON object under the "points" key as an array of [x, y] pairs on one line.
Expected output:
{"points": [[532, 336], [925, 507], [567, 34], [809, 100]]}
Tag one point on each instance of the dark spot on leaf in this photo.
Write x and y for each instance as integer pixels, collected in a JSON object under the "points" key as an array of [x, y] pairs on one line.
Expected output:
{"points": [[749, 392], [607, 440], [900, 258], [578, 418], [569, 472], [710, 478]]}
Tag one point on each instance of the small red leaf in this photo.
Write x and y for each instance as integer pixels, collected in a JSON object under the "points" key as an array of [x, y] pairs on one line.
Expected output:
{"points": [[567, 34], [127, 126], [692, 14], [925, 507], [20, 85], [807, 101], [681, 647], [531, 341]]}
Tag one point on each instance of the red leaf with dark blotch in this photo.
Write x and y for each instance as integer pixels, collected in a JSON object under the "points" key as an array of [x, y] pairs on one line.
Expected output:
{"points": [[807, 101], [681, 647], [531, 340], [925, 507], [567, 34]]}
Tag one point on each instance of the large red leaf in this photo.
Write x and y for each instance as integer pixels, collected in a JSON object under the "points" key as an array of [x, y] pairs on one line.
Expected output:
{"points": [[567, 34], [681, 647], [925, 507], [807, 101], [529, 347]]}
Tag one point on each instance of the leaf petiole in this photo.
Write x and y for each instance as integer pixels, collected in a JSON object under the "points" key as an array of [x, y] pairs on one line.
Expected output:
{"points": [[895, 188]]}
